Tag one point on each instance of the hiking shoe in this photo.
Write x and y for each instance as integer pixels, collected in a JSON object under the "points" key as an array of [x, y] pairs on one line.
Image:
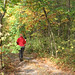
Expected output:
{"points": [[21, 59]]}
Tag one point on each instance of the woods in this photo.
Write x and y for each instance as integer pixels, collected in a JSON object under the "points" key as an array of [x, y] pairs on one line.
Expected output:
{"points": [[49, 26]]}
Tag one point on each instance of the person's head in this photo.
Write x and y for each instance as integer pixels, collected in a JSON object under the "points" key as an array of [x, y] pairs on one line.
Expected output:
{"points": [[21, 35]]}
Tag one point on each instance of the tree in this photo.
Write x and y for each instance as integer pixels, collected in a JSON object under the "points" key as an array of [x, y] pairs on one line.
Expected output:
{"points": [[4, 4], [48, 23], [1, 17]]}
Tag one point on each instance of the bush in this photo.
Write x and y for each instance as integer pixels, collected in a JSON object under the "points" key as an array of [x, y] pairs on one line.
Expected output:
{"points": [[37, 46]]}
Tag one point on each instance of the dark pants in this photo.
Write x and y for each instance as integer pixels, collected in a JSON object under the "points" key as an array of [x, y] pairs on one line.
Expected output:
{"points": [[21, 53]]}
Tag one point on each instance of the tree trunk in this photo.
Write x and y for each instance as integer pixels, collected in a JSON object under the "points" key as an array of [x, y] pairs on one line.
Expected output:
{"points": [[51, 46], [1, 26], [49, 29], [68, 35], [69, 23], [0, 36], [68, 5]]}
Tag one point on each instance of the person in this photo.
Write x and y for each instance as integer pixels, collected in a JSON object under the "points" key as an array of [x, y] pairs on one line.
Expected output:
{"points": [[21, 42]]}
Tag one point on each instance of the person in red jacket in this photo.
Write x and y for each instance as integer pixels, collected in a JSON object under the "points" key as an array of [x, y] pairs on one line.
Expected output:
{"points": [[21, 42]]}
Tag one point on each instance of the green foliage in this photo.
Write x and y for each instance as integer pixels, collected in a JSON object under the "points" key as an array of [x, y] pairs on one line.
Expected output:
{"points": [[28, 18]]}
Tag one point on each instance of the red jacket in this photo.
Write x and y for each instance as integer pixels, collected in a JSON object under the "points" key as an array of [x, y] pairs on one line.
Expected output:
{"points": [[21, 41]]}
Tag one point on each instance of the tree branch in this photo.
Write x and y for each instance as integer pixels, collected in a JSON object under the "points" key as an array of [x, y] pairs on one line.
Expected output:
{"points": [[5, 1]]}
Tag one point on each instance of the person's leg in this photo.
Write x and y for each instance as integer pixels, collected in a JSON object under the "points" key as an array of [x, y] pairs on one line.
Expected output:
{"points": [[21, 53]]}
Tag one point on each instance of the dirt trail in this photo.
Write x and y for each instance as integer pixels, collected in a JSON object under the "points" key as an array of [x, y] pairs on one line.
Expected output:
{"points": [[32, 66], [35, 67]]}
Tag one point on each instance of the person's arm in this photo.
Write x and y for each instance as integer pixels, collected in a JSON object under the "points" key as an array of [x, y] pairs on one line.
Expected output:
{"points": [[17, 41], [24, 41], [25, 38]]}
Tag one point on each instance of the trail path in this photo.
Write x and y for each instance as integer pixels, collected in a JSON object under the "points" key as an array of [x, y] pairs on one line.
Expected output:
{"points": [[33, 66]]}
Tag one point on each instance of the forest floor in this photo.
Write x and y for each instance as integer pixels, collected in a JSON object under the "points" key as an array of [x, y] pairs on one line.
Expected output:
{"points": [[32, 66]]}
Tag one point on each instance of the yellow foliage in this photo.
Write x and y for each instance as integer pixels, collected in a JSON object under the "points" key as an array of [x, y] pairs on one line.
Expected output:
{"points": [[12, 19], [65, 20], [28, 12]]}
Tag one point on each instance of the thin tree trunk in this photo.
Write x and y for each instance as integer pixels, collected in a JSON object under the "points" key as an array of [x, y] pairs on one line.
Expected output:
{"points": [[1, 26], [69, 23], [50, 30], [0, 36], [0, 39], [54, 43], [51, 46], [68, 35], [69, 5]]}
